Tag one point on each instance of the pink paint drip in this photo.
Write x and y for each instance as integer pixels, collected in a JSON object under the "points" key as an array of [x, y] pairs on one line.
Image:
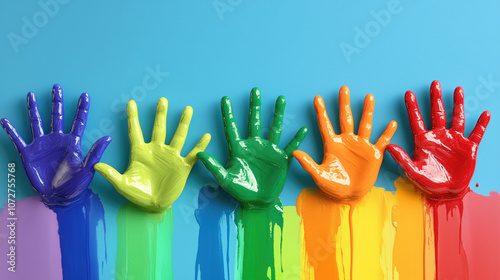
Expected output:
{"points": [[38, 254], [467, 237], [481, 234]]}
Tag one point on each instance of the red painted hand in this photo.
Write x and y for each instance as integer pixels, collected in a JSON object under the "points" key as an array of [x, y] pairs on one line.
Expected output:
{"points": [[444, 160]]}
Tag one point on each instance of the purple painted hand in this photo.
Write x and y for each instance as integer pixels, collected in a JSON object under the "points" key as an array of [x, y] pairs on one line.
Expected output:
{"points": [[53, 163]]}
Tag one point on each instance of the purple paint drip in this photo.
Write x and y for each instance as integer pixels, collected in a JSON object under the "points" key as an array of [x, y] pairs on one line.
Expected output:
{"points": [[38, 255]]}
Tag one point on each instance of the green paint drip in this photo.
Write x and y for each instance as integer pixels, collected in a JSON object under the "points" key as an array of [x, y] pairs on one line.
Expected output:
{"points": [[258, 230], [144, 244]]}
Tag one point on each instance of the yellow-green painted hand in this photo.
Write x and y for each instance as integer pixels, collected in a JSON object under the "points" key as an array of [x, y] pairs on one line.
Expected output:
{"points": [[157, 173]]}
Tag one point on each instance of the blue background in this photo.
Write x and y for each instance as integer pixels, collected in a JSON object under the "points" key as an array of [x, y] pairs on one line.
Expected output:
{"points": [[284, 47]]}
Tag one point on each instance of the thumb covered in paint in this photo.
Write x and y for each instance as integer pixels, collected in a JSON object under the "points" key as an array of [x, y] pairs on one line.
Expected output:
{"points": [[307, 163], [213, 165], [108, 172]]}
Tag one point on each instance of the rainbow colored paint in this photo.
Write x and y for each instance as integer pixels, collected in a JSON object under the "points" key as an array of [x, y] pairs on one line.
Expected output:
{"points": [[432, 227]]}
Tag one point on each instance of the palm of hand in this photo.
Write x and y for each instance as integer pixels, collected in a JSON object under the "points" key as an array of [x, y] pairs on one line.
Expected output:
{"points": [[444, 159], [433, 159], [351, 163], [157, 173], [146, 177], [56, 163], [351, 166], [257, 167], [53, 163], [256, 171]]}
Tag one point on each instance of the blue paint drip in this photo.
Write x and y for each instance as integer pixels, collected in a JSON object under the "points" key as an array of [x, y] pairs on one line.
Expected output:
{"points": [[78, 228], [215, 207]]}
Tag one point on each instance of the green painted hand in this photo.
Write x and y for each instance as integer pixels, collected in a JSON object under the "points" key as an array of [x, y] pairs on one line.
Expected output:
{"points": [[157, 173], [257, 167]]}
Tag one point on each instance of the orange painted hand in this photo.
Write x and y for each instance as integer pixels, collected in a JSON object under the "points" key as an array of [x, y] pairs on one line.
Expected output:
{"points": [[351, 163]]}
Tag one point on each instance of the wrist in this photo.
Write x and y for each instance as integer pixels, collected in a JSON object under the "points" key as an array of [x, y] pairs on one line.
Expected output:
{"points": [[55, 201], [443, 193], [262, 206]]}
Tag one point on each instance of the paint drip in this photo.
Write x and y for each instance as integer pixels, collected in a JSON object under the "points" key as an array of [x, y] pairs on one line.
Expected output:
{"points": [[467, 237], [409, 222], [373, 235], [380, 237], [291, 248], [481, 234], [144, 244], [326, 245], [215, 212], [38, 253], [82, 237], [451, 259], [257, 231]]}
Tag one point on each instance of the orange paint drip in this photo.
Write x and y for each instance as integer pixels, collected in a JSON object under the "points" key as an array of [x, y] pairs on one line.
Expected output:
{"points": [[325, 234]]}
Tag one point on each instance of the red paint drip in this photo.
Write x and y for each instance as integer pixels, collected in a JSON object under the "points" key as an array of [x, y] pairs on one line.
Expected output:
{"points": [[451, 258], [477, 185]]}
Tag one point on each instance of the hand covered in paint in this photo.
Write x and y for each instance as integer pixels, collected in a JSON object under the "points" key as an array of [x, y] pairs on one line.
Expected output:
{"points": [[351, 163], [257, 167], [444, 160], [53, 163], [157, 173]]}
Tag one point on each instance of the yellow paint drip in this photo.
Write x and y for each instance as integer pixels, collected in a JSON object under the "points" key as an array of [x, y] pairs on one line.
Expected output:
{"points": [[373, 236], [409, 220]]}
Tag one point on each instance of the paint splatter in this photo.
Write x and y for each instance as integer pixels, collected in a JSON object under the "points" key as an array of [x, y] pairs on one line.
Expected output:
{"points": [[37, 242], [144, 244], [215, 210]]}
